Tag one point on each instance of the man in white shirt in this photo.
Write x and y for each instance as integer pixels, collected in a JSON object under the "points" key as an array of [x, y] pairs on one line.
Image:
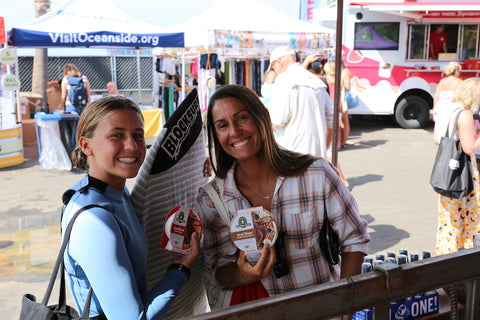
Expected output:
{"points": [[300, 108]]}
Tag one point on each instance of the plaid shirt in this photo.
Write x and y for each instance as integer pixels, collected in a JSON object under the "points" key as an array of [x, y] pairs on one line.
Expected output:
{"points": [[298, 208]]}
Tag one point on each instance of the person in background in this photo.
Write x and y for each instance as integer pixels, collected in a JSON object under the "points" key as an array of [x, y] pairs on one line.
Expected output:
{"points": [[313, 64], [254, 170], [112, 89], [108, 247], [344, 88], [447, 86], [81, 96], [329, 69], [459, 219], [299, 106], [438, 42]]}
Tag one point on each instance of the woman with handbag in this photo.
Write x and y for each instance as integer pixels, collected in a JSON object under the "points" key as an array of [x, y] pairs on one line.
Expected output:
{"points": [[252, 170], [107, 251], [458, 218]]}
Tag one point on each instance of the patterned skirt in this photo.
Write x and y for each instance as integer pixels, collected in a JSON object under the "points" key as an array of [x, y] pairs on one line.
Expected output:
{"points": [[459, 219]]}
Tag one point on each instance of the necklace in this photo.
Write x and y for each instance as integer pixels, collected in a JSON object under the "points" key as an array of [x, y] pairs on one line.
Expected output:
{"points": [[255, 190]]}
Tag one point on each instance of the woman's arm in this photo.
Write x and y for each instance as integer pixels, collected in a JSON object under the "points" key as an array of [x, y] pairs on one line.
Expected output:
{"points": [[63, 96], [346, 77], [466, 132], [98, 246]]}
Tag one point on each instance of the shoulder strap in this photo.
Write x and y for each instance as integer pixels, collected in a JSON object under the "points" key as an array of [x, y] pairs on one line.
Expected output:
{"points": [[219, 203], [450, 134], [59, 262]]}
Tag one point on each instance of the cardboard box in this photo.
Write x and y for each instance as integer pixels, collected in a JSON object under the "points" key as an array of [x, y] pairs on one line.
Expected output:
{"points": [[54, 94], [30, 103], [447, 56], [28, 132]]}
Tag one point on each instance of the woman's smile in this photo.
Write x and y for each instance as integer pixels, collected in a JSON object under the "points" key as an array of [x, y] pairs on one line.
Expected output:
{"points": [[240, 143]]}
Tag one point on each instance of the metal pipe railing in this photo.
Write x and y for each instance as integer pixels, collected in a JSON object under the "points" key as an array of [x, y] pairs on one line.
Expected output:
{"points": [[377, 289]]}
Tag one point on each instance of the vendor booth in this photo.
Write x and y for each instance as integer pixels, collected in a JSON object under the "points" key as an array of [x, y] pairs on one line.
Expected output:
{"points": [[92, 23], [11, 144], [226, 48]]}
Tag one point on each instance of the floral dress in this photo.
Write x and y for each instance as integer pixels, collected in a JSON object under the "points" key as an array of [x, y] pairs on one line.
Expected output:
{"points": [[459, 219]]}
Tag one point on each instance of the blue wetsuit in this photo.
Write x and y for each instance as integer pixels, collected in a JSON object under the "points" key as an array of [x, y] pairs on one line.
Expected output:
{"points": [[108, 251]]}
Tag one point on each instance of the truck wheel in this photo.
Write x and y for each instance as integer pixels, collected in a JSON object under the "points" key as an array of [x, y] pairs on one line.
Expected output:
{"points": [[412, 112]]}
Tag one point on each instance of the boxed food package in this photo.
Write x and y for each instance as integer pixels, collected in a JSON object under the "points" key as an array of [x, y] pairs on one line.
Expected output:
{"points": [[447, 56], [180, 223], [251, 229]]}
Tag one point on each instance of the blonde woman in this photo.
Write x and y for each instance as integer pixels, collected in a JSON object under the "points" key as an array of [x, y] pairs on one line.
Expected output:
{"points": [[447, 86], [458, 219]]}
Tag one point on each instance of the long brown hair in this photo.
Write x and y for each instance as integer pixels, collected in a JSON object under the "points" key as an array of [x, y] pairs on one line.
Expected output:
{"points": [[281, 161], [93, 113], [70, 70]]}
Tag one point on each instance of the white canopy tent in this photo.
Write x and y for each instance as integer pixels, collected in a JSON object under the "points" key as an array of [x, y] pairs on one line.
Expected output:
{"points": [[247, 15]]}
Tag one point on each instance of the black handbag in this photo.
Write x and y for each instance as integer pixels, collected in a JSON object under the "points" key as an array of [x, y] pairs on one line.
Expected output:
{"points": [[451, 174], [329, 243], [33, 310]]}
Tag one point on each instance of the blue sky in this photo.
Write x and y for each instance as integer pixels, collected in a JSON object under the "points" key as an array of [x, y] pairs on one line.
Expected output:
{"points": [[21, 11]]}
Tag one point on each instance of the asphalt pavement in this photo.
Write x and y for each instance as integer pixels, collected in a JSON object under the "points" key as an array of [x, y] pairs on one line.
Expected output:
{"points": [[388, 169]]}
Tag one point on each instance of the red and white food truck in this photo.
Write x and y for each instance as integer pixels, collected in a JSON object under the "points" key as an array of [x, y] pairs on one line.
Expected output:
{"points": [[386, 48]]}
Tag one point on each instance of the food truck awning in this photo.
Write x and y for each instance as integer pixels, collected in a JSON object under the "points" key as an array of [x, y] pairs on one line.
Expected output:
{"points": [[425, 10]]}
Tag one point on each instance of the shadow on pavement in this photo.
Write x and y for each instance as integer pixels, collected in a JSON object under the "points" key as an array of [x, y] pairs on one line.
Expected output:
{"points": [[385, 236], [358, 181]]}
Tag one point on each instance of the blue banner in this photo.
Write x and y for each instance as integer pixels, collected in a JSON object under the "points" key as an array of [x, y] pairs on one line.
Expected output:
{"points": [[39, 39]]}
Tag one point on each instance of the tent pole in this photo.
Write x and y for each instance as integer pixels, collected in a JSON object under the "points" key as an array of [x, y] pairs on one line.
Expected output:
{"points": [[338, 82], [138, 76]]}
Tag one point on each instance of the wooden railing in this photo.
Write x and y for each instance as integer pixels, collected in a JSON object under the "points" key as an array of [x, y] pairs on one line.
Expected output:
{"points": [[377, 289]]}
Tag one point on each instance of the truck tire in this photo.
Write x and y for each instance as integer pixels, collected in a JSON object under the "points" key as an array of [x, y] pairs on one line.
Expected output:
{"points": [[412, 112]]}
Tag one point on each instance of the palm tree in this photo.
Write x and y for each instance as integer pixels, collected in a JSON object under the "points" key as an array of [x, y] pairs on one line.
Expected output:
{"points": [[40, 60]]}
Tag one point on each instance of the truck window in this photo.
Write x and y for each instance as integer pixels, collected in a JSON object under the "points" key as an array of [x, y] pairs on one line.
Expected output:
{"points": [[469, 42], [419, 37]]}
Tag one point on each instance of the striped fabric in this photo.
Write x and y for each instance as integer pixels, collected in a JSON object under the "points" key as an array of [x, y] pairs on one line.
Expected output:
{"points": [[154, 195]]}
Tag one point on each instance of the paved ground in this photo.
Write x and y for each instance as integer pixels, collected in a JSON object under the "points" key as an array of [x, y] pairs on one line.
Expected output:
{"points": [[387, 167]]}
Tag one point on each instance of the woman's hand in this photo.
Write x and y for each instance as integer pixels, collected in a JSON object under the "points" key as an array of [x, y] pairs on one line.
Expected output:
{"points": [[207, 168], [261, 269], [188, 259], [242, 272]]}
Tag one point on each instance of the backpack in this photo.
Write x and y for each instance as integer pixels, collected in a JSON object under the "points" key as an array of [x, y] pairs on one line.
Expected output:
{"points": [[77, 94]]}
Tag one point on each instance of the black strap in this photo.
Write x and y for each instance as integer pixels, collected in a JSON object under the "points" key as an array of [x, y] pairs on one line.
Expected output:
{"points": [[59, 263]]}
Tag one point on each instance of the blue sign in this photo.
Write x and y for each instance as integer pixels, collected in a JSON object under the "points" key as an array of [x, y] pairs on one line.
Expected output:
{"points": [[416, 307]]}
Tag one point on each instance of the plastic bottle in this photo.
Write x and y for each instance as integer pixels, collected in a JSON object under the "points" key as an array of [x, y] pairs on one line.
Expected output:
{"points": [[413, 256], [402, 259], [426, 254], [380, 256], [367, 267]]}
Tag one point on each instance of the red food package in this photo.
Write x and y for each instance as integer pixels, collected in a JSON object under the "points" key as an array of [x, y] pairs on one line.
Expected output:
{"points": [[180, 223]]}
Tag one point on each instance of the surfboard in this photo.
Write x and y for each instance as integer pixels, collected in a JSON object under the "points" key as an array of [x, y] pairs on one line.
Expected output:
{"points": [[170, 176]]}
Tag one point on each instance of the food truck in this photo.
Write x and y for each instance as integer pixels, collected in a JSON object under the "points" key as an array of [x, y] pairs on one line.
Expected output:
{"points": [[386, 48]]}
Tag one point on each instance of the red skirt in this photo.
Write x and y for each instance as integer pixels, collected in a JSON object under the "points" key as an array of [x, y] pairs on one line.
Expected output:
{"points": [[249, 292]]}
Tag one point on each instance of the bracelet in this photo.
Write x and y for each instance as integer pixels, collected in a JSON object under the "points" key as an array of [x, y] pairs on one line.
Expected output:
{"points": [[180, 267]]}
